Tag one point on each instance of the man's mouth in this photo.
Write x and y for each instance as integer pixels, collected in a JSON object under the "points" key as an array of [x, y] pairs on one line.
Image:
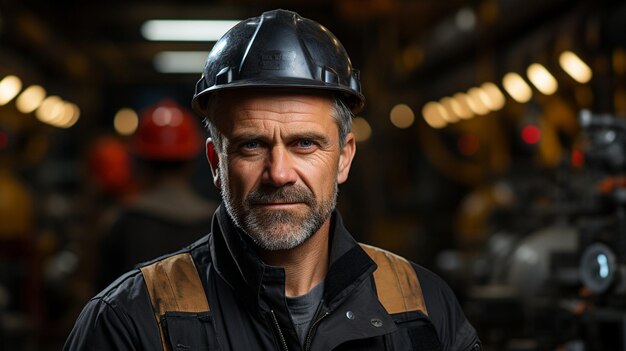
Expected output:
{"points": [[284, 198], [277, 204]]}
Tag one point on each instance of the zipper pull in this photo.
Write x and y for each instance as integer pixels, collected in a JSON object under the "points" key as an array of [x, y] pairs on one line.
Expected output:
{"points": [[309, 335]]}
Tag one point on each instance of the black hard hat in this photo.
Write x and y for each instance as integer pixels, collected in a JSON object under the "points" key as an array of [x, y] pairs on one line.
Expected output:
{"points": [[279, 49]]}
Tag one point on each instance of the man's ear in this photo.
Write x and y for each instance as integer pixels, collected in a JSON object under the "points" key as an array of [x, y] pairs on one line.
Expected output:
{"points": [[213, 158], [345, 158]]}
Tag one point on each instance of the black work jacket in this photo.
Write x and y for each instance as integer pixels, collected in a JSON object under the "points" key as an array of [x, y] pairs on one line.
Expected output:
{"points": [[248, 309]]}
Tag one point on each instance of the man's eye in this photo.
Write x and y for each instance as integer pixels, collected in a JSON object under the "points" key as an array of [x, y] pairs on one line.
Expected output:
{"points": [[251, 145], [305, 143]]}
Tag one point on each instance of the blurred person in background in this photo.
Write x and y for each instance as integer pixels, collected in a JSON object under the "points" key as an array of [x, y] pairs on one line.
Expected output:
{"points": [[278, 271], [167, 214]]}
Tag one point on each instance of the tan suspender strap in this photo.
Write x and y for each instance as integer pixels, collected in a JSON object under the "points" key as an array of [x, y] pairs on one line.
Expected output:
{"points": [[174, 285], [397, 285]]}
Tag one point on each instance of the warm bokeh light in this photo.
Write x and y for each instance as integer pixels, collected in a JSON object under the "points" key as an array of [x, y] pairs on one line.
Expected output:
{"points": [[71, 113], [575, 67], [63, 117], [434, 113], [402, 116], [10, 86], [30, 99], [125, 121], [515, 86], [51, 109], [451, 106], [494, 98], [542, 79], [75, 116], [461, 107], [361, 129], [476, 101]]}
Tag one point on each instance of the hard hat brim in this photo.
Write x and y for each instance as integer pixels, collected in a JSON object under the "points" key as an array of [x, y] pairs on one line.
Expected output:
{"points": [[354, 101]]}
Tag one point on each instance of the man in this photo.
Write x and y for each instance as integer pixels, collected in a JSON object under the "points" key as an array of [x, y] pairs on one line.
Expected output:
{"points": [[278, 271]]}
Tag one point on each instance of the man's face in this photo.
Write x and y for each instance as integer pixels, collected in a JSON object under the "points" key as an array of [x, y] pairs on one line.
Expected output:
{"points": [[280, 164]]}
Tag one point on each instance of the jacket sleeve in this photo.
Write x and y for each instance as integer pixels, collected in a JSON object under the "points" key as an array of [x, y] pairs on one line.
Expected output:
{"points": [[119, 318], [100, 327], [454, 330]]}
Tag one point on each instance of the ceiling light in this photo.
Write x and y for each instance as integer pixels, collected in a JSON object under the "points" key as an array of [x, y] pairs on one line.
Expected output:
{"points": [[451, 107], [515, 85], [51, 108], [10, 86], [476, 101], [433, 113], [495, 99], [575, 67], [186, 30], [126, 121], [68, 117], [30, 99], [74, 114], [542, 79], [180, 61], [361, 129], [402, 116], [461, 107]]}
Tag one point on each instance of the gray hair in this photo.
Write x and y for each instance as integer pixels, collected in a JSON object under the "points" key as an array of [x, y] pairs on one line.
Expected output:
{"points": [[340, 112]]}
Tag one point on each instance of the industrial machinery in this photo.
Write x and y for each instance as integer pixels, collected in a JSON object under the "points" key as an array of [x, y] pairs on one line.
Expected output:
{"points": [[562, 284]]}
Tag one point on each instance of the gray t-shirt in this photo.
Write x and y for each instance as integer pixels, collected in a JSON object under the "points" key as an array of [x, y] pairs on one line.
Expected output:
{"points": [[302, 310]]}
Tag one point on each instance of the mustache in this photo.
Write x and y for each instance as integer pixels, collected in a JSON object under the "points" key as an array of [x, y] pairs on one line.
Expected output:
{"points": [[265, 194]]}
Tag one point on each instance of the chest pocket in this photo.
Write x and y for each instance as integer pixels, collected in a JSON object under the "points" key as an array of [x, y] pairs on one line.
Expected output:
{"points": [[417, 330], [189, 331], [180, 305]]}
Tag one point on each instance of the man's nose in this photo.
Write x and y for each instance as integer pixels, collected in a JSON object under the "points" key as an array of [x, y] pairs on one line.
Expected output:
{"points": [[279, 170]]}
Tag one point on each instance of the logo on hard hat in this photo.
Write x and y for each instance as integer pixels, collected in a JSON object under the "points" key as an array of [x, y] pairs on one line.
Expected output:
{"points": [[277, 60]]}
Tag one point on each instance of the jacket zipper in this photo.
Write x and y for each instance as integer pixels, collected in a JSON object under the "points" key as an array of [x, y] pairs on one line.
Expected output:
{"points": [[309, 335], [280, 333]]}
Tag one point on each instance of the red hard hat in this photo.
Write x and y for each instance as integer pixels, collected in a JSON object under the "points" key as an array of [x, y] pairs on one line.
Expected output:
{"points": [[167, 131], [109, 164]]}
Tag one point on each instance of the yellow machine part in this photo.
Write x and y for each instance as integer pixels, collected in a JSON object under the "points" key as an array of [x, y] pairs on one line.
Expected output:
{"points": [[16, 208]]}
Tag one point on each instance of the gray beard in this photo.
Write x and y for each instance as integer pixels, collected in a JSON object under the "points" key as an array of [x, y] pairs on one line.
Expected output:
{"points": [[277, 230]]}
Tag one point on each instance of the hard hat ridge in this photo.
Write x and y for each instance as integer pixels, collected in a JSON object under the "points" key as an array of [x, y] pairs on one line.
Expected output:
{"points": [[279, 49]]}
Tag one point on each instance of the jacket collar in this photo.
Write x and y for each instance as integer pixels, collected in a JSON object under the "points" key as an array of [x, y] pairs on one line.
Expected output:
{"points": [[237, 263]]}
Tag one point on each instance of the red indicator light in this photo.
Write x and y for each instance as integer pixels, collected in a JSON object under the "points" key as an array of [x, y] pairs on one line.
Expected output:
{"points": [[531, 134], [578, 158]]}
